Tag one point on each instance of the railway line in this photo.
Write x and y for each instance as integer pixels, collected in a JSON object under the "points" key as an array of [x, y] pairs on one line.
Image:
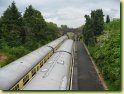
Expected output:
{"points": [[57, 65]]}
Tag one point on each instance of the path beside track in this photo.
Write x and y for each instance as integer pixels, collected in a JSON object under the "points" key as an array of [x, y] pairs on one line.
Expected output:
{"points": [[85, 76]]}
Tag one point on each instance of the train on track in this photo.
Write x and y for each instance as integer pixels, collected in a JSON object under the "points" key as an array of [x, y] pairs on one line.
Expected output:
{"points": [[56, 73], [16, 74]]}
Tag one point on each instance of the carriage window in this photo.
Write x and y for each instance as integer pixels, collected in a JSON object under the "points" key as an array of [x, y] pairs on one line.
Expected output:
{"points": [[33, 71], [26, 79], [41, 64], [37, 68], [16, 87]]}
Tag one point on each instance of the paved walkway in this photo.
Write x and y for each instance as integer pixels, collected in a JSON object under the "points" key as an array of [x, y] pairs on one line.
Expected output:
{"points": [[85, 76]]}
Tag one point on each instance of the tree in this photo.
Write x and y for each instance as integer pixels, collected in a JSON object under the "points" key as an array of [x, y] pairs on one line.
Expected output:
{"points": [[52, 31], [88, 33], [11, 21], [36, 30], [0, 29], [64, 28], [97, 21], [35, 27], [94, 26], [107, 19]]}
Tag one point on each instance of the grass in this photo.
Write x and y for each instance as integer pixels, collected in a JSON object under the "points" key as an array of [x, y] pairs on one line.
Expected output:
{"points": [[12, 54]]}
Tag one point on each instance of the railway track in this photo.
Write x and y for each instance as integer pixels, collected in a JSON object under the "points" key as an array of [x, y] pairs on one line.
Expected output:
{"points": [[50, 67]]}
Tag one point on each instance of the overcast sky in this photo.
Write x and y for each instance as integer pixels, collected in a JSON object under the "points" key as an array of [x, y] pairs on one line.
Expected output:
{"points": [[69, 12]]}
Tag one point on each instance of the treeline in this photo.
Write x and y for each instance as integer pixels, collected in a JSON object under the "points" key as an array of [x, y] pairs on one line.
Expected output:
{"points": [[103, 42], [29, 29], [20, 34]]}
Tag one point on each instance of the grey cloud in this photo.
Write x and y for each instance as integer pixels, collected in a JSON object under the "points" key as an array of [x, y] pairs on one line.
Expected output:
{"points": [[113, 13], [70, 12]]}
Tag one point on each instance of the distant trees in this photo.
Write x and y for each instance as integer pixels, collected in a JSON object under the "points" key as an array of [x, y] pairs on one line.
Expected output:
{"points": [[93, 27], [107, 19], [52, 31], [29, 30], [64, 28]]}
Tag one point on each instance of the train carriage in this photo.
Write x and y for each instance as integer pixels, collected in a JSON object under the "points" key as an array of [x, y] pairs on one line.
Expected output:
{"points": [[16, 74], [56, 73]]}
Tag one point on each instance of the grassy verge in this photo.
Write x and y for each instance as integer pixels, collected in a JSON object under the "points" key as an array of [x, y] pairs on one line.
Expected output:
{"points": [[12, 54]]}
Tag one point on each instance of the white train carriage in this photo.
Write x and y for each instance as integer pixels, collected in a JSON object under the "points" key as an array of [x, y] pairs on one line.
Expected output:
{"points": [[55, 74], [16, 74]]}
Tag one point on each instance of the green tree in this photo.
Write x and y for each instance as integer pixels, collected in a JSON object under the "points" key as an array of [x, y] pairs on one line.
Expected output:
{"points": [[34, 20], [34, 27], [11, 21], [52, 31], [64, 28], [97, 21], [88, 34], [0, 29], [93, 27], [107, 19]]}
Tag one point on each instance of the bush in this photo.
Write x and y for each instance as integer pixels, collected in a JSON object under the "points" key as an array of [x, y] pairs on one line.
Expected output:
{"points": [[106, 54], [13, 53]]}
